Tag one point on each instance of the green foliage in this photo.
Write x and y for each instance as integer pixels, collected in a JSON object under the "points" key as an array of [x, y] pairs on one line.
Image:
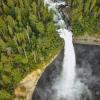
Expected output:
{"points": [[27, 38], [4, 95], [40, 27], [85, 16], [10, 3]]}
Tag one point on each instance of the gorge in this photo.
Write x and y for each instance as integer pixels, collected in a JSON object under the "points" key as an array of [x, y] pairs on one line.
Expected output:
{"points": [[49, 49], [87, 70], [67, 85]]}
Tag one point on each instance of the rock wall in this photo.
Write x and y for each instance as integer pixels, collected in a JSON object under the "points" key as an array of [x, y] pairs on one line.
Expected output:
{"points": [[87, 69]]}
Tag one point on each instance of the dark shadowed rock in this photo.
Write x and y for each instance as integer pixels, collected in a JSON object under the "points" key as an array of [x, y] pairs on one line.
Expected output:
{"points": [[87, 69]]}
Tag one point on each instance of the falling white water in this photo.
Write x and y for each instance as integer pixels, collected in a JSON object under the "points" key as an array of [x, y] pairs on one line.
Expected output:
{"points": [[68, 87]]}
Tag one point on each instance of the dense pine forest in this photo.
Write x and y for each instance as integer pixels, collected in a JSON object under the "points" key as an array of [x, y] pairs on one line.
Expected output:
{"points": [[85, 17], [28, 38]]}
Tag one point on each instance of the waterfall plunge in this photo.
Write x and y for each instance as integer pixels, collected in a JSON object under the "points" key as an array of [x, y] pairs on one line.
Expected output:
{"points": [[67, 86]]}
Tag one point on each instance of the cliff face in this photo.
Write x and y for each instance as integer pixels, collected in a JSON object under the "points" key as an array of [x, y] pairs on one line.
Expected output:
{"points": [[26, 87], [87, 69], [86, 39]]}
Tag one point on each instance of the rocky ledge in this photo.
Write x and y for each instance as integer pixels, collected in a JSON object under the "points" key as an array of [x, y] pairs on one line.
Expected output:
{"points": [[86, 39]]}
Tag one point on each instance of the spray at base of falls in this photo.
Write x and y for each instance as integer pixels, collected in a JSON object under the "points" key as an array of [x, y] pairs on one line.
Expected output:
{"points": [[67, 86]]}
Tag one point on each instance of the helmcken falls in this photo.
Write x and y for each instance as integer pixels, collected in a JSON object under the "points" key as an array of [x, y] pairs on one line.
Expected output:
{"points": [[67, 85]]}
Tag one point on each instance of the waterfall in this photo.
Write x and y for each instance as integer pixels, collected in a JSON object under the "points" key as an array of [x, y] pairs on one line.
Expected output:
{"points": [[67, 86]]}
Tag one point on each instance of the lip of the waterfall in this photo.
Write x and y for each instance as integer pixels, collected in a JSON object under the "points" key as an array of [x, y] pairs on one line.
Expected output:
{"points": [[54, 4]]}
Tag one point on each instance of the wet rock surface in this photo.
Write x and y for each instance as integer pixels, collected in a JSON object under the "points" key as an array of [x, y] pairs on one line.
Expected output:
{"points": [[87, 69]]}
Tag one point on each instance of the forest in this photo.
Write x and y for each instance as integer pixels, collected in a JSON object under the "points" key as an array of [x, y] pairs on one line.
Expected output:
{"points": [[85, 17], [28, 38]]}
